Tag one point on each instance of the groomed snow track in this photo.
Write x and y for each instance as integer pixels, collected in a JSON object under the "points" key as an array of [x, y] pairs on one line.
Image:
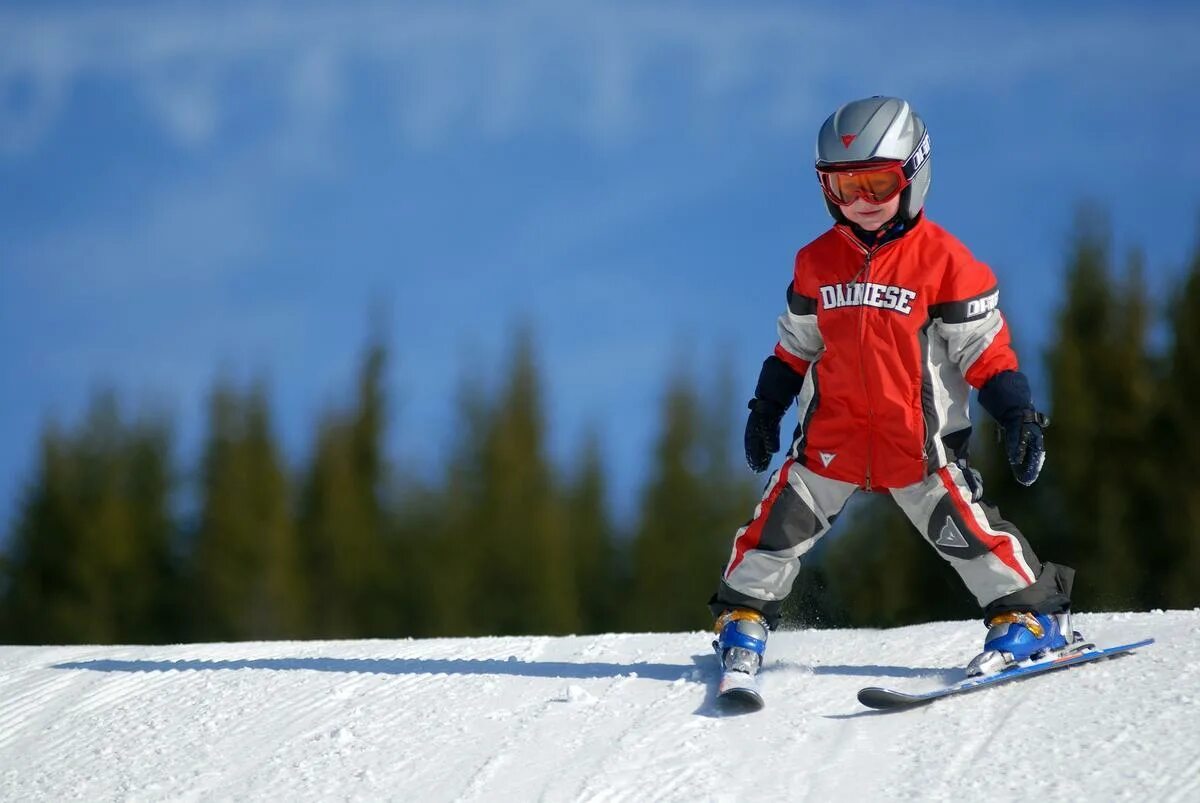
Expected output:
{"points": [[611, 717]]}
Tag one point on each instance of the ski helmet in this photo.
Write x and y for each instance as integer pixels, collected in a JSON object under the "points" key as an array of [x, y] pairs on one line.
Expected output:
{"points": [[878, 129]]}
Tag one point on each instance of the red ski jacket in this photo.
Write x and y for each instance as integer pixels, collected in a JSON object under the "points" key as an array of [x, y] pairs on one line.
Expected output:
{"points": [[890, 340]]}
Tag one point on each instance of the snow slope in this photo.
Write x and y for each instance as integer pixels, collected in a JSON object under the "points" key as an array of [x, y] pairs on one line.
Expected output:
{"points": [[612, 717]]}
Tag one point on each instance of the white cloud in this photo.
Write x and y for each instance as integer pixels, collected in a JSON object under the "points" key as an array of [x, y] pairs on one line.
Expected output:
{"points": [[33, 88], [586, 66], [185, 99]]}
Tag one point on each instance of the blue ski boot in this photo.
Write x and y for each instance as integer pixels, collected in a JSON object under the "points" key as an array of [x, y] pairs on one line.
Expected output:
{"points": [[741, 640], [740, 644], [1016, 636]]}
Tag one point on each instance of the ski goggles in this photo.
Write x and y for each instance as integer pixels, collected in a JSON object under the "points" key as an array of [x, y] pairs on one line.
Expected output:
{"points": [[874, 182]]}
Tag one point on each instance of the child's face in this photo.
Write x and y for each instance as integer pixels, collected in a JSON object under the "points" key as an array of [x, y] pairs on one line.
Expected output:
{"points": [[871, 216]]}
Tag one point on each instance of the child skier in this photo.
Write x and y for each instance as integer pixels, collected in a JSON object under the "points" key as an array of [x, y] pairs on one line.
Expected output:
{"points": [[890, 322]]}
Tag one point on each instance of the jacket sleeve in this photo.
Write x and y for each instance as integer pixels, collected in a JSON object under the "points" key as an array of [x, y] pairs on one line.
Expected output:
{"points": [[800, 342], [967, 315]]}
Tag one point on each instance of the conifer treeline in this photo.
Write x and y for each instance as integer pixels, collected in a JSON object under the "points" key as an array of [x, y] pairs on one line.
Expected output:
{"points": [[506, 542]]}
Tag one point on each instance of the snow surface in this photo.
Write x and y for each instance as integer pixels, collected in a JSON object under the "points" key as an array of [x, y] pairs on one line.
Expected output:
{"points": [[611, 717]]}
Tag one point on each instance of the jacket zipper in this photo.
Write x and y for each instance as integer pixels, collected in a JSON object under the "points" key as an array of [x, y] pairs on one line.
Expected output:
{"points": [[862, 355], [862, 359], [862, 366]]}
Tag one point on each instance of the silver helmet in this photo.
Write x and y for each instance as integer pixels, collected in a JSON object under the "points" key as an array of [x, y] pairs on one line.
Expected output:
{"points": [[879, 129]]}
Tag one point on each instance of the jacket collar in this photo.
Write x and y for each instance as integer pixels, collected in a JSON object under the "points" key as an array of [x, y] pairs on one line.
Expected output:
{"points": [[889, 232]]}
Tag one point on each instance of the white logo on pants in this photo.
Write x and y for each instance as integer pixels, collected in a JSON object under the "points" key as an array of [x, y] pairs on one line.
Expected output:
{"points": [[951, 535]]}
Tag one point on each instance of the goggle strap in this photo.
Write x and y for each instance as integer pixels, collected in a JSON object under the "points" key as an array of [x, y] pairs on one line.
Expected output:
{"points": [[913, 163]]}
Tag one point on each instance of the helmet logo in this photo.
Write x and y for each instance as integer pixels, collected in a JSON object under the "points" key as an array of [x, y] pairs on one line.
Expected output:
{"points": [[848, 138]]}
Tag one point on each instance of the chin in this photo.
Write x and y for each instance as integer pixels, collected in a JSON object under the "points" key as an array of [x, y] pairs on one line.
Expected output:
{"points": [[871, 220]]}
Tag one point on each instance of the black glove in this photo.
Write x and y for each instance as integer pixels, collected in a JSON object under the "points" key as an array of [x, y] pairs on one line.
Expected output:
{"points": [[1025, 445], [1007, 397], [762, 432], [777, 388]]}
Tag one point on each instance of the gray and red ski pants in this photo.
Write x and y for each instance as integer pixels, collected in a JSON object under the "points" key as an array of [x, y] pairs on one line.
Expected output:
{"points": [[991, 556]]}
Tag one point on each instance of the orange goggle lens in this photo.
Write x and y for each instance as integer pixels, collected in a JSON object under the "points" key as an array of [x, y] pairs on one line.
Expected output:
{"points": [[876, 185]]}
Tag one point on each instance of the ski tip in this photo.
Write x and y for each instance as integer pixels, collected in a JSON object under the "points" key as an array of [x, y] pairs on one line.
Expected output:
{"points": [[885, 699], [870, 695], [741, 701]]}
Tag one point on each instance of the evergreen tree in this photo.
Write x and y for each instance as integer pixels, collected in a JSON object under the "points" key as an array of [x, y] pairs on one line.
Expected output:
{"points": [[685, 528], [45, 592], [512, 524], [592, 544], [733, 490], [246, 582], [453, 560], [1179, 450], [1102, 383], [417, 589], [344, 525], [670, 584], [151, 609], [90, 556]]}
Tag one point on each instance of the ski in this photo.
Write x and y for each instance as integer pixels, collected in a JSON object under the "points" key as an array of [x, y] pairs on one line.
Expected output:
{"points": [[890, 699], [739, 691]]}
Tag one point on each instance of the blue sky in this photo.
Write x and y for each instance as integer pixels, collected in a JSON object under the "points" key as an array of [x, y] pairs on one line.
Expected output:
{"points": [[190, 190]]}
